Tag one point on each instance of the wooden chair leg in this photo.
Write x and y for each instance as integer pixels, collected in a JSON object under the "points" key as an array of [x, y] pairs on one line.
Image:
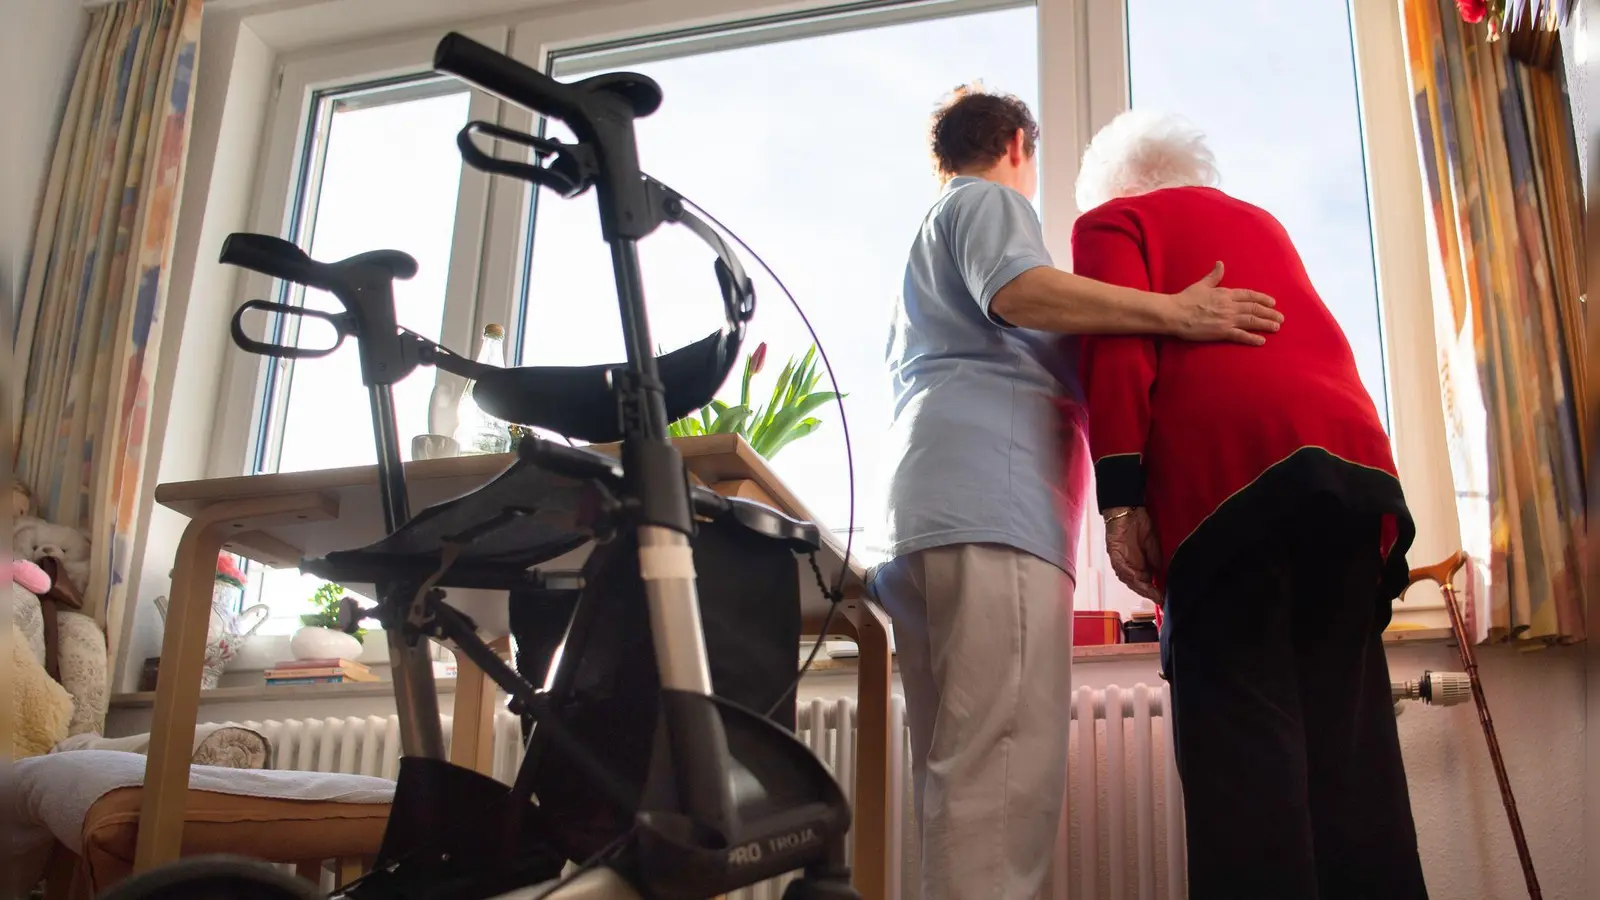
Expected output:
{"points": [[183, 650], [350, 868]]}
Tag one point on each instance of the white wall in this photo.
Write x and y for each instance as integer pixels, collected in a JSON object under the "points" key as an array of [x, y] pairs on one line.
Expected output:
{"points": [[40, 54]]}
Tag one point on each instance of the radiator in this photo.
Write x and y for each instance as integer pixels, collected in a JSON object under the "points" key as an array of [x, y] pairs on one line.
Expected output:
{"points": [[1124, 811], [369, 745], [1122, 830]]}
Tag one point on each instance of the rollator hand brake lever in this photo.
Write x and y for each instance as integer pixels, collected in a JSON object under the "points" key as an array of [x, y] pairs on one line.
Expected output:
{"points": [[567, 169], [342, 327]]}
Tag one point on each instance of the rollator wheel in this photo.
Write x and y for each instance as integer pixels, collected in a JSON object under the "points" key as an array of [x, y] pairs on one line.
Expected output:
{"points": [[215, 878]]}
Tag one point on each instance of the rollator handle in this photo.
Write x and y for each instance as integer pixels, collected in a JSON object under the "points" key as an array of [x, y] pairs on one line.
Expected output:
{"points": [[363, 284], [271, 256], [599, 110]]}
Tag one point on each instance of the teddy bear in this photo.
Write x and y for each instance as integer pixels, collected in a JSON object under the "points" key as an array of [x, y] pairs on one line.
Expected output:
{"points": [[34, 538], [43, 707], [79, 658]]}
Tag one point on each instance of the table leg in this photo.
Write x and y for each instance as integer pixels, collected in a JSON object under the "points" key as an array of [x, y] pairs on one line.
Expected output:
{"points": [[183, 650], [875, 794], [472, 723]]}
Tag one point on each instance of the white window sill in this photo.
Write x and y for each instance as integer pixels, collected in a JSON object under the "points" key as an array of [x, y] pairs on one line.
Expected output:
{"points": [[254, 693], [293, 692]]}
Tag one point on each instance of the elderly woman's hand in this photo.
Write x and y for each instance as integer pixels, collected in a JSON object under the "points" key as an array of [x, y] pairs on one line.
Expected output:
{"points": [[1134, 551]]}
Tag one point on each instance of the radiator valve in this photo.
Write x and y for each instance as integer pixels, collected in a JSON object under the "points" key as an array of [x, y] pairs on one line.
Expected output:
{"points": [[1434, 689]]}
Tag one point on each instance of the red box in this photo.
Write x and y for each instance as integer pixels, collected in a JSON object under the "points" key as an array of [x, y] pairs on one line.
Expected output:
{"points": [[1096, 627]]}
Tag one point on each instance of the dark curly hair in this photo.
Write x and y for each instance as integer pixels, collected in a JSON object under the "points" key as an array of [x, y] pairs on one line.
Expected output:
{"points": [[972, 127]]}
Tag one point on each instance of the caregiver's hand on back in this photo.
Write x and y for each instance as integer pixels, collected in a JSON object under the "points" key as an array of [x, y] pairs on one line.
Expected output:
{"points": [[1212, 313]]}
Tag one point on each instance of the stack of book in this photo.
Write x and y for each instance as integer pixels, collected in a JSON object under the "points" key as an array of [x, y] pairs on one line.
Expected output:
{"points": [[318, 671]]}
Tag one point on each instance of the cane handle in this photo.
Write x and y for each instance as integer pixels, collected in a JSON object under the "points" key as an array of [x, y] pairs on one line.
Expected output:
{"points": [[1442, 572]]}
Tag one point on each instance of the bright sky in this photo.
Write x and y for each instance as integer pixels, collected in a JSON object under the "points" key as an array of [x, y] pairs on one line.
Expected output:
{"points": [[814, 152]]}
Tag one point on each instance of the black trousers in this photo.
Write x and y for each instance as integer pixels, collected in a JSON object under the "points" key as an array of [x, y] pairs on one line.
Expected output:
{"points": [[1293, 784]]}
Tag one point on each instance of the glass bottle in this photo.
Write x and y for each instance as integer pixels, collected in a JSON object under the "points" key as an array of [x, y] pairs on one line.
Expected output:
{"points": [[476, 431]]}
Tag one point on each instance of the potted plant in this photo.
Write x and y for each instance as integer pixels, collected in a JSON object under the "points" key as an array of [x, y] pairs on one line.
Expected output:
{"points": [[333, 630], [784, 419]]}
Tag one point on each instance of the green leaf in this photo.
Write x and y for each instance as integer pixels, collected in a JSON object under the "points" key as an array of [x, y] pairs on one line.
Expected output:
{"points": [[811, 380], [744, 383], [705, 419], [788, 419], [778, 392], [799, 431], [730, 420], [801, 376], [751, 422]]}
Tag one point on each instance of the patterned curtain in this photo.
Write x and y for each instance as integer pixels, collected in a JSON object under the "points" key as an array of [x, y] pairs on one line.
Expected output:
{"points": [[1497, 151], [89, 335]]}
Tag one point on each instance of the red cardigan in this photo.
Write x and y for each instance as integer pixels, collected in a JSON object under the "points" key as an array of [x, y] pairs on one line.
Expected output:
{"points": [[1224, 442]]}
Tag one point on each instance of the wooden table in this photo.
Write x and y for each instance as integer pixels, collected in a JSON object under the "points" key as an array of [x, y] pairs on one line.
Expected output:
{"points": [[280, 519]]}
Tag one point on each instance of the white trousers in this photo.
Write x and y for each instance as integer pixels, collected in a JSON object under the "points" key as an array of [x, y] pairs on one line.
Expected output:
{"points": [[983, 636]]}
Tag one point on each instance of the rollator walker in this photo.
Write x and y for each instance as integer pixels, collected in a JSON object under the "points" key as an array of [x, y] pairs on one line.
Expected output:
{"points": [[660, 762]]}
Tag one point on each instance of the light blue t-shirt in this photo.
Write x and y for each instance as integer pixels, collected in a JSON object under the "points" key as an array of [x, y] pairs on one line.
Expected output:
{"points": [[974, 449]]}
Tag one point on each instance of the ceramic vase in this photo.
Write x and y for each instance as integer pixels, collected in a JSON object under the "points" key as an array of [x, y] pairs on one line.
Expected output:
{"points": [[228, 629]]}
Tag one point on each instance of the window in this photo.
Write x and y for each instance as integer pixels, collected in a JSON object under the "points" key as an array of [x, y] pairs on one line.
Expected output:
{"points": [[1274, 87], [813, 150], [380, 169], [805, 134]]}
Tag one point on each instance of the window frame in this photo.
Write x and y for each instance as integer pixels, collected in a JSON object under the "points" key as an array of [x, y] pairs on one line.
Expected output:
{"points": [[249, 380], [1083, 84]]}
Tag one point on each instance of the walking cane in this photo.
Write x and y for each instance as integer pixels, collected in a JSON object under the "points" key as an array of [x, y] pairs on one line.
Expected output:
{"points": [[1442, 574]]}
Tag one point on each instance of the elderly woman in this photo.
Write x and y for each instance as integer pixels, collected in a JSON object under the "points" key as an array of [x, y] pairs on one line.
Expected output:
{"points": [[1250, 490]]}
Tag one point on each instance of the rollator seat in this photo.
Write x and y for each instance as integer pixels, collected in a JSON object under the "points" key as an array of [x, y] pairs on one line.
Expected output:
{"points": [[539, 508], [578, 401]]}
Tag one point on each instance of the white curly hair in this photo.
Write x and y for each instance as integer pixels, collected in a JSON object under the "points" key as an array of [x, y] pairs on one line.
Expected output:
{"points": [[1139, 152]]}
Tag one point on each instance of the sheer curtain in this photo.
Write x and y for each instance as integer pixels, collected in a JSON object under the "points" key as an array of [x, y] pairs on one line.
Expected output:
{"points": [[1506, 217], [89, 334]]}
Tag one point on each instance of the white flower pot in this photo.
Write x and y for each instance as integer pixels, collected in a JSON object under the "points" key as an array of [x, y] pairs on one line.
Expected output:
{"points": [[315, 642]]}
